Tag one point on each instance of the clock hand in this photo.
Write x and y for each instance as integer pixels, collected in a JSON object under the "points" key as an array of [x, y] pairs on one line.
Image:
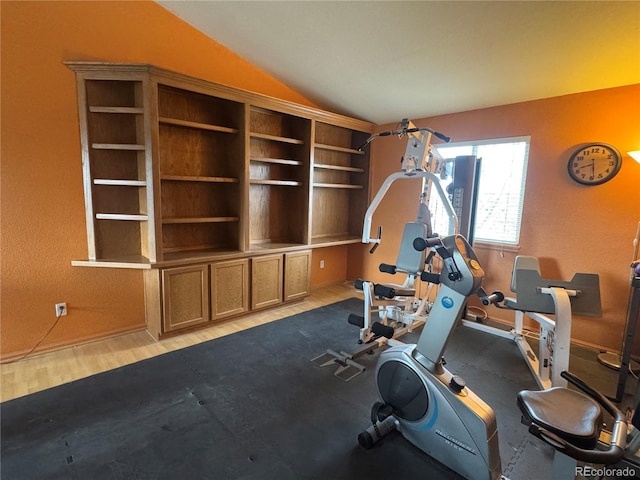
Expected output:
{"points": [[588, 165]]}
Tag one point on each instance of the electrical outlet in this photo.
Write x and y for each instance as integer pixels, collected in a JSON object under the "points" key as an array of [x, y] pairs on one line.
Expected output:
{"points": [[321, 263], [61, 309]]}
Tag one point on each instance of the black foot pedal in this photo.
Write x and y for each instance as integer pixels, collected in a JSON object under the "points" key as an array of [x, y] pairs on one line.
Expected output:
{"points": [[375, 432]]}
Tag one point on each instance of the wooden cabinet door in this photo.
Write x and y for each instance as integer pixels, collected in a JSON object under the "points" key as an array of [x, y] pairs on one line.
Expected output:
{"points": [[229, 288], [266, 281], [297, 275], [185, 297]]}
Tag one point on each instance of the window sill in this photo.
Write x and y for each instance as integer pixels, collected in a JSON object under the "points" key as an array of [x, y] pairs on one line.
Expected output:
{"points": [[501, 247]]}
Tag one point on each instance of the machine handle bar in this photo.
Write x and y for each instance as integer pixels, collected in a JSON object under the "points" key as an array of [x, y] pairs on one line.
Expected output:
{"points": [[495, 297], [421, 244], [597, 396], [404, 131], [606, 457], [377, 244]]}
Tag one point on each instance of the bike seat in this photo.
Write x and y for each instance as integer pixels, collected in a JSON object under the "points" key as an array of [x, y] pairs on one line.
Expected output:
{"points": [[570, 415]]}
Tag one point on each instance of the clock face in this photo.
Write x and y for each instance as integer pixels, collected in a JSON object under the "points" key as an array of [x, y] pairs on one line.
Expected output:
{"points": [[594, 164]]}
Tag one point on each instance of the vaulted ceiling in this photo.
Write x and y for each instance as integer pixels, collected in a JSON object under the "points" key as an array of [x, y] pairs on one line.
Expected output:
{"points": [[387, 60]]}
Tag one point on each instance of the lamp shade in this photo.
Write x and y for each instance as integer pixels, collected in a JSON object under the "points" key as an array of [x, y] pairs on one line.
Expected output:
{"points": [[635, 155]]}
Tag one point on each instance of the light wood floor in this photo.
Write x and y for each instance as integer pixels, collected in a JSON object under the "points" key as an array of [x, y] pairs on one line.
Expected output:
{"points": [[50, 369]]}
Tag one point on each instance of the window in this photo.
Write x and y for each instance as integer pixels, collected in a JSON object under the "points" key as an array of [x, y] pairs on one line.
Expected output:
{"points": [[503, 171]]}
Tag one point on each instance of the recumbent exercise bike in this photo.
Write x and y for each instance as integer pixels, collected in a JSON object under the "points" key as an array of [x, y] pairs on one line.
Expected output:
{"points": [[437, 412]]}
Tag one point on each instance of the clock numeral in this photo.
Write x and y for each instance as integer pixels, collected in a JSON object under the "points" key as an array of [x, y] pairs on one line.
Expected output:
{"points": [[595, 150]]}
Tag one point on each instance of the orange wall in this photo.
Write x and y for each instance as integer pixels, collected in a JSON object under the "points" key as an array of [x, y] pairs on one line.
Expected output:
{"points": [[571, 228], [335, 266], [42, 204]]}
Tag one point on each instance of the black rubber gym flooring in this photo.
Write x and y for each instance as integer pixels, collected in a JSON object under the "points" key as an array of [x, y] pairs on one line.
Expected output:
{"points": [[253, 406]]}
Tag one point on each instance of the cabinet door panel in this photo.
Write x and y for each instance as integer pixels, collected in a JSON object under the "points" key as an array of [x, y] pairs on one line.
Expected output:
{"points": [[185, 293], [266, 281], [297, 275], [229, 288]]}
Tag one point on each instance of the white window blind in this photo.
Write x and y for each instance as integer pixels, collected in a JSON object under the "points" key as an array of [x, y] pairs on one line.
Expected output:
{"points": [[503, 171]]}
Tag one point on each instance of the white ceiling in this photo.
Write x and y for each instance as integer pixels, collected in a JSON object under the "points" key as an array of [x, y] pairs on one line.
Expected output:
{"points": [[387, 60]]}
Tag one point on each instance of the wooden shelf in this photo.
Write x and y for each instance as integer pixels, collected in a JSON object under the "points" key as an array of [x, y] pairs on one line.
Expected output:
{"points": [[178, 255], [190, 248], [334, 239], [132, 261], [276, 138], [338, 185], [129, 110], [122, 216], [117, 146], [269, 246], [281, 183], [335, 148], [220, 171], [193, 178], [119, 183], [338, 167], [201, 126], [279, 161], [184, 220]]}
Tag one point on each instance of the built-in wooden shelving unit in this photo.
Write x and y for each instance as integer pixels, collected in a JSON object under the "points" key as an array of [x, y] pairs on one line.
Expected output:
{"points": [[205, 187]]}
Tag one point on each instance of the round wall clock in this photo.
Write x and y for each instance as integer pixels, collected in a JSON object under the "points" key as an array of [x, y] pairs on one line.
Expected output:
{"points": [[594, 164]]}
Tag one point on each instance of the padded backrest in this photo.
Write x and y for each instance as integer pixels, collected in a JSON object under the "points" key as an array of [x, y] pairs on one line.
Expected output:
{"points": [[523, 262], [409, 259]]}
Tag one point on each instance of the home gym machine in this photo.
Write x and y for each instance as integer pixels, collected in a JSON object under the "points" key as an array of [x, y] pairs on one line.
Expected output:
{"points": [[438, 413], [399, 308], [536, 297]]}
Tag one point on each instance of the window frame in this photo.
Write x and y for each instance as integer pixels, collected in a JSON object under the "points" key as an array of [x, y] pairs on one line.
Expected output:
{"points": [[511, 245]]}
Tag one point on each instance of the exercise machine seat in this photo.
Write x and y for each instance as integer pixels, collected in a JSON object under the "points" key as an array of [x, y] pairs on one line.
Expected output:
{"points": [[521, 262], [571, 415], [410, 260]]}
